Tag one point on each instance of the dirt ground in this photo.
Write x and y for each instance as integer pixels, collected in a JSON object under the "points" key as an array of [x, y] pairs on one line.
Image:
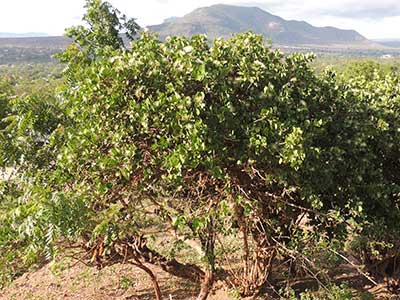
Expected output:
{"points": [[67, 279], [79, 282]]}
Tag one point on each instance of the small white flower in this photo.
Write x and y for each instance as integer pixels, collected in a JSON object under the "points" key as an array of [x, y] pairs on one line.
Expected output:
{"points": [[188, 49]]}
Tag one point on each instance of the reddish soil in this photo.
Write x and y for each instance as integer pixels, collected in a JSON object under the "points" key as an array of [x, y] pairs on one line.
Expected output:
{"points": [[69, 280], [79, 282]]}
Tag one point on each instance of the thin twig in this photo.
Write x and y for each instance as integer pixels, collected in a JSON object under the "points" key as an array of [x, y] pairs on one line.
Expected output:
{"points": [[355, 266]]}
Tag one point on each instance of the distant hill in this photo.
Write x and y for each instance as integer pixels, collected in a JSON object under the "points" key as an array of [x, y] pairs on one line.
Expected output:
{"points": [[225, 20], [393, 43], [20, 35], [48, 42]]}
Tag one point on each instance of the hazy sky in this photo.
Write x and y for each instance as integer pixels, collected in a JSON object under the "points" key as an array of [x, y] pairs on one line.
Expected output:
{"points": [[372, 18]]}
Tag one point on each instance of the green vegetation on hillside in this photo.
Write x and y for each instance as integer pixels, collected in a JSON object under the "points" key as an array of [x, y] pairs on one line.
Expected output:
{"points": [[226, 20]]}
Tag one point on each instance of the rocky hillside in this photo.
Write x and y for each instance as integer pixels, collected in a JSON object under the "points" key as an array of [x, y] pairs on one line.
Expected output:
{"points": [[225, 20]]}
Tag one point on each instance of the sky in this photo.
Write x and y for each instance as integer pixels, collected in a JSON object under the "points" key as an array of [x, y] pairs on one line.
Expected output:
{"points": [[372, 18]]}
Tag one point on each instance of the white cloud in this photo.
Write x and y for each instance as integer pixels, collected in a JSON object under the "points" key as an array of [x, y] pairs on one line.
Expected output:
{"points": [[372, 18], [366, 9]]}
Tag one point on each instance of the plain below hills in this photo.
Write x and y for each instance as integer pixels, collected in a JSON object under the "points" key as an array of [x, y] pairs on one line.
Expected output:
{"points": [[219, 21]]}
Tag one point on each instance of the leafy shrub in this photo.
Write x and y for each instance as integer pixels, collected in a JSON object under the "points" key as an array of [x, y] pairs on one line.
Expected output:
{"points": [[334, 292], [193, 142]]}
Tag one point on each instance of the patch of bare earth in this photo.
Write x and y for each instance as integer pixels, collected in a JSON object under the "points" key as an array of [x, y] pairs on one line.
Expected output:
{"points": [[76, 281], [79, 282]]}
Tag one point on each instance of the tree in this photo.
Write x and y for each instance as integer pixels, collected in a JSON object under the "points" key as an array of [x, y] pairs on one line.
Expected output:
{"points": [[193, 143], [218, 141], [6, 91], [106, 28], [25, 148], [368, 69]]}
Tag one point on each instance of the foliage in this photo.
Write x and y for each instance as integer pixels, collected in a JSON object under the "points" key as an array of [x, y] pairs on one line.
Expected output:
{"points": [[29, 79], [332, 292], [26, 153], [368, 69], [223, 139], [105, 24], [356, 66], [6, 91], [197, 142]]}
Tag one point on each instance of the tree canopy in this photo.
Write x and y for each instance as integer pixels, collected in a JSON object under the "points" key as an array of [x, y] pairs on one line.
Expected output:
{"points": [[198, 142]]}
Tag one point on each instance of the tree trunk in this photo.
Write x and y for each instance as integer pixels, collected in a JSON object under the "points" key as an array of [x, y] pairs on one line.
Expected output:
{"points": [[153, 278], [208, 243], [206, 286]]}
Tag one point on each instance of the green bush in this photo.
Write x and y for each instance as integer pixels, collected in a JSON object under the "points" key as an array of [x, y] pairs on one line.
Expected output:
{"points": [[199, 141]]}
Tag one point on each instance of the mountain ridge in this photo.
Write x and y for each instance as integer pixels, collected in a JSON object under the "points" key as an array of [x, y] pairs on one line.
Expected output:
{"points": [[22, 35], [223, 20]]}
